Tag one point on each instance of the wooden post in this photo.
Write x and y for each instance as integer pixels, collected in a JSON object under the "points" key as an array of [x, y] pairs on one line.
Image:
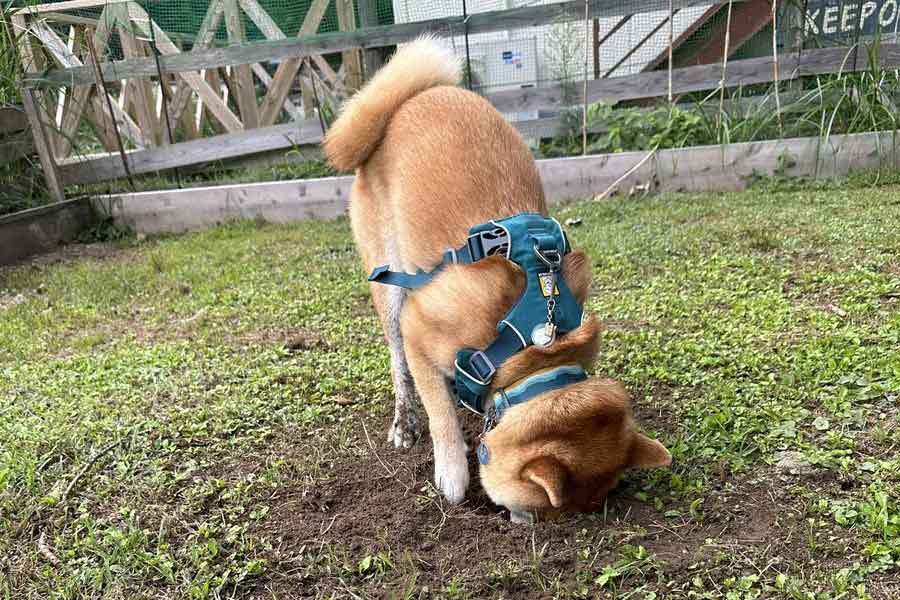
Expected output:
{"points": [[215, 82], [144, 109], [792, 25], [81, 96], [368, 17], [42, 145], [32, 61], [287, 70], [352, 59], [242, 76], [102, 125]]}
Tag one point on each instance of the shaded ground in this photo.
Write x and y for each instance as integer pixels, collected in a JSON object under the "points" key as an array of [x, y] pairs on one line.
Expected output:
{"points": [[204, 416]]}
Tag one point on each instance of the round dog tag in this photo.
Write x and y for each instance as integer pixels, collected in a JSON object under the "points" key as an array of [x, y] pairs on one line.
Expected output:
{"points": [[541, 337], [484, 455]]}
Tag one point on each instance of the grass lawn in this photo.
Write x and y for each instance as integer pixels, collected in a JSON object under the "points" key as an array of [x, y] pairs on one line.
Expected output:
{"points": [[204, 416]]}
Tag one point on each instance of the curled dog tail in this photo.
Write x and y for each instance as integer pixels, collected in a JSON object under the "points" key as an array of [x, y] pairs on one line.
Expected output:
{"points": [[416, 67]]}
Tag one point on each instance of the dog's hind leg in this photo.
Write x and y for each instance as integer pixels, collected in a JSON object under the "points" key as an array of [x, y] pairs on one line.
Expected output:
{"points": [[405, 430]]}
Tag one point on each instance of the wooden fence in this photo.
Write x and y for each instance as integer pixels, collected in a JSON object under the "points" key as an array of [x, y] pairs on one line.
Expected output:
{"points": [[132, 104]]}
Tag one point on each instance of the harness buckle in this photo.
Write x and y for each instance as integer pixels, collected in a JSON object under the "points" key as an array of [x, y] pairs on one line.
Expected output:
{"points": [[451, 256], [482, 367], [488, 243]]}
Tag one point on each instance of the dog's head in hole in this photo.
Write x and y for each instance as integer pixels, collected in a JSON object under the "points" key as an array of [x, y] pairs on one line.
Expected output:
{"points": [[567, 457]]}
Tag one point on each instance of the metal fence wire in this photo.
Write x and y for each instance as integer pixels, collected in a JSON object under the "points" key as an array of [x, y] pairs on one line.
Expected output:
{"points": [[633, 38]]}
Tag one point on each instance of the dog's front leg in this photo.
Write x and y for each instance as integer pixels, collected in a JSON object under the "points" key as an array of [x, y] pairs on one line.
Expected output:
{"points": [[451, 471]]}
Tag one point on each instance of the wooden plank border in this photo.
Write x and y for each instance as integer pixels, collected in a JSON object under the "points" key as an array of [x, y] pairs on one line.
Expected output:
{"points": [[374, 37], [703, 168], [193, 152]]}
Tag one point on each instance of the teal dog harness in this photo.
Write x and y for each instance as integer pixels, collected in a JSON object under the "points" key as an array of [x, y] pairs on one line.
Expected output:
{"points": [[538, 245]]}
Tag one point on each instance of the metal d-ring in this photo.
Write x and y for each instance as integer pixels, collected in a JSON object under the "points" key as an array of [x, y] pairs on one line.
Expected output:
{"points": [[552, 263]]}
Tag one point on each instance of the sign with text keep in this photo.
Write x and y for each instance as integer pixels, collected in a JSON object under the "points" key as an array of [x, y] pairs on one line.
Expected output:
{"points": [[849, 19]]}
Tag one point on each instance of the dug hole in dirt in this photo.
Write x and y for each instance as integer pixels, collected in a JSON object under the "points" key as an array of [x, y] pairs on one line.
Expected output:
{"points": [[372, 499]]}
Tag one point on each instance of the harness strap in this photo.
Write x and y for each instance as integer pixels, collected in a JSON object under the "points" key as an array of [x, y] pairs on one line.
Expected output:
{"points": [[477, 367], [537, 384], [524, 390], [478, 245]]}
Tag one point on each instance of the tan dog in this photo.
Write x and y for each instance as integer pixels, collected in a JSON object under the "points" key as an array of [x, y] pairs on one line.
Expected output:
{"points": [[431, 161]]}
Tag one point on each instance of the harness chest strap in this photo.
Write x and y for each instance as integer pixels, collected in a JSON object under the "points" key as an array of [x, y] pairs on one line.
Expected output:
{"points": [[535, 243]]}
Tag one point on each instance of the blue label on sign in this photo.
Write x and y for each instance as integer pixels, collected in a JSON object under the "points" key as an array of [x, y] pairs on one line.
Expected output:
{"points": [[512, 58], [484, 455]]}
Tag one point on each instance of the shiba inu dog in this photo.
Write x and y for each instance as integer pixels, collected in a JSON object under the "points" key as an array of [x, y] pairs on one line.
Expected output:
{"points": [[433, 160]]}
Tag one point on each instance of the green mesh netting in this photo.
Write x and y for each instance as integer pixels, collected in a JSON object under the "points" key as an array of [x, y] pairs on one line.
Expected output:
{"points": [[181, 19]]}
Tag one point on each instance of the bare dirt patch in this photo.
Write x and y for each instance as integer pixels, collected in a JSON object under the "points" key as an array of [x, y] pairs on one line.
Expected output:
{"points": [[371, 499], [77, 252]]}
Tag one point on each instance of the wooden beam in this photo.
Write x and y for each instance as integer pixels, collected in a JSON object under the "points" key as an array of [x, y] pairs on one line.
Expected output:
{"points": [[272, 31], [377, 37], [351, 60], [81, 95], [63, 94], [69, 19], [368, 17], [203, 150], [266, 80], [205, 35], [696, 79], [101, 124], [287, 70], [166, 47], [66, 5], [42, 145], [144, 109], [230, 146], [241, 75]]}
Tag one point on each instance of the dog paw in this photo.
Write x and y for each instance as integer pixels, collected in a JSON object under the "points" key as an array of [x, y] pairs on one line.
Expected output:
{"points": [[452, 477], [405, 431]]}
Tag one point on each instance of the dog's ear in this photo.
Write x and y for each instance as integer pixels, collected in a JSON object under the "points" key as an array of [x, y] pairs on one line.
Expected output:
{"points": [[550, 474], [646, 453], [577, 273]]}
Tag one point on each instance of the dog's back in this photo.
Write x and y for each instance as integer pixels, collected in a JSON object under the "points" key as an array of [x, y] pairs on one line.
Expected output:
{"points": [[432, 159]]}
